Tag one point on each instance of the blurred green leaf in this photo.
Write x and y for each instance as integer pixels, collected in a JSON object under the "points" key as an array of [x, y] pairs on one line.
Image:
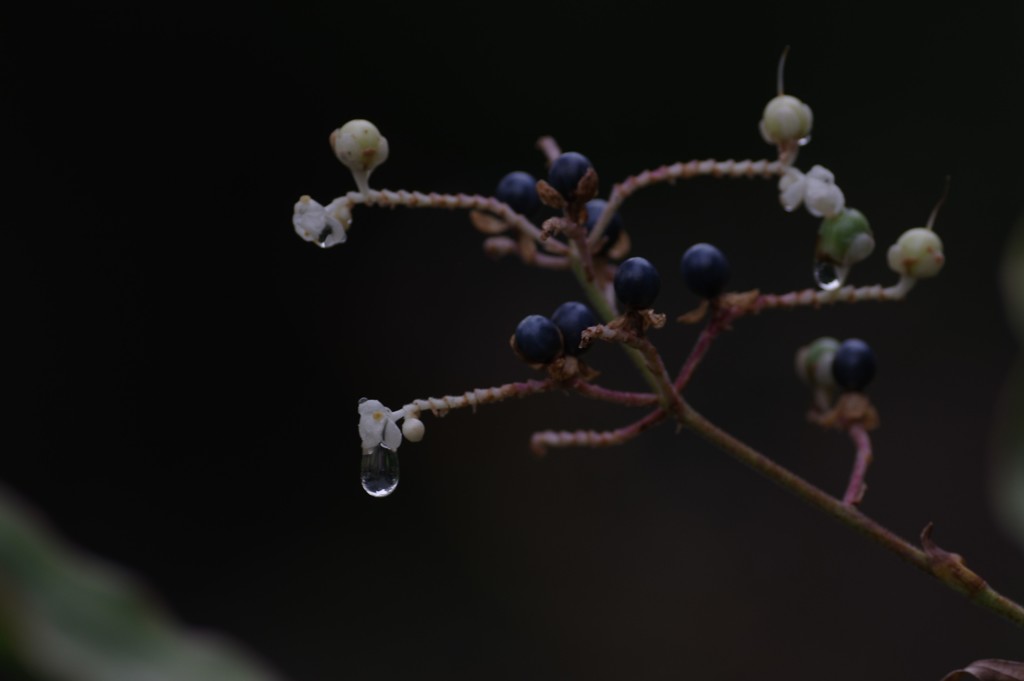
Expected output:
{"points": [[1008, 469], [68, 617]]}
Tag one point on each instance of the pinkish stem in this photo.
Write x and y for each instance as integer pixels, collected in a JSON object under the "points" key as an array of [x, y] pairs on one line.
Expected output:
{"points": [[855, 490]]}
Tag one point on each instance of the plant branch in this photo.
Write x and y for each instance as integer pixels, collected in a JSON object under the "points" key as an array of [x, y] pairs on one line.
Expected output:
{"points": [[948, 568], [541, 441], [848, 294], [389, 198], [681, 171], [856, 488]]}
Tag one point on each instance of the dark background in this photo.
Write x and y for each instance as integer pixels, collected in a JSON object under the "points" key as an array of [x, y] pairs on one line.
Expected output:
{"points": [[185, 369]]}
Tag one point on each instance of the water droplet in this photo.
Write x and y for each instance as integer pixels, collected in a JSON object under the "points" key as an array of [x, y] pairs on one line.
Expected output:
{"points": [[380, 471], [321, 239], [829, 276]]}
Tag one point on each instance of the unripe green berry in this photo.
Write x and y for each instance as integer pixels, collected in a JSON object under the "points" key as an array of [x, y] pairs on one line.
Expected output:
{"points": [[845, 239], [814, 362], [786, 119], [359, 145], [917, 253]]}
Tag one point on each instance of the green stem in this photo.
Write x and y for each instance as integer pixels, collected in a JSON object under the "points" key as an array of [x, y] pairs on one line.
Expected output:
{"points": [[607, 314], [947, 568]]}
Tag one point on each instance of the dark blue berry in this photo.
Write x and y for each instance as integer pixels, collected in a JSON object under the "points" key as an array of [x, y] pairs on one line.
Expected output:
{"points": [[571, 318], [637, 283], [519, 191], [595, 207], [567, 171], [705, 270], [853, 365], [538, 339]]}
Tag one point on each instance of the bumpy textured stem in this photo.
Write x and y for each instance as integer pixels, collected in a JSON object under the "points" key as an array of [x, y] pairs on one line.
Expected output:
{"points": [[946, 567], [629, 399], [440, 406], [540, 442], [848, 294], [388, 198], [681, 171]]}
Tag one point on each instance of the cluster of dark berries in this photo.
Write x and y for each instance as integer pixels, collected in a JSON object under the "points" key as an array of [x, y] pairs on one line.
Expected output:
{"points": [[704, 268], [519, 189], [541, 340]]}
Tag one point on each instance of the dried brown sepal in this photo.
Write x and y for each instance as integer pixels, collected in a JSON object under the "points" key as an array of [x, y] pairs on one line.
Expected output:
{"points": [[989, 670], [950, 567], [586, 188], [487, 223], [850, 408], [527, 249], [568, 369], [549, 196], [651, 319], [739, 303], [694, 315], [552, 227], [620, 249], [500, 246]]}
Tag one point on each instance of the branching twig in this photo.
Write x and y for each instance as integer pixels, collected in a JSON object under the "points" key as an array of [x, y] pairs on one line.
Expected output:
{"points": [[681, 171]]}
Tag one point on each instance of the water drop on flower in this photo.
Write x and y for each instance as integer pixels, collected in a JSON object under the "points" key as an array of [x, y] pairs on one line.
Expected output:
{"points": [[380, 471], [828, 276], [321, 240]]}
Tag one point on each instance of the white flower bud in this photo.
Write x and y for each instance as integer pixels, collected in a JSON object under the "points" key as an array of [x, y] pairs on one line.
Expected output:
{"points": [[413, 429], [359, 145], [786, 119], [377, 425], [917, 253], [317, 224]]}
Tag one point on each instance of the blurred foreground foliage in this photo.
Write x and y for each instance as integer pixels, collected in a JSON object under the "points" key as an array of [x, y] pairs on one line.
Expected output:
{"points": [[65, 616], [1008, 471]]}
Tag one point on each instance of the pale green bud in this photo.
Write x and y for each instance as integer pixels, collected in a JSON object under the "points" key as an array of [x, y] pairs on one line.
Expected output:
{"points": [[786, 119], [917, 253], [814, 362], [845, 239]]}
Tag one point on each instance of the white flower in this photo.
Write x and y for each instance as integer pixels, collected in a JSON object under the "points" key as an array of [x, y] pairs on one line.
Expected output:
{"points": [[817, 190], [322, 226], [377, 425]]}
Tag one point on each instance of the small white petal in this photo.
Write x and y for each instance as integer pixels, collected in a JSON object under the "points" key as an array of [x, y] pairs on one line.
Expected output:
{"points": [[793, 194], [309, 219], [824, 200], [821, 173], [392, 434], [373, 420]]}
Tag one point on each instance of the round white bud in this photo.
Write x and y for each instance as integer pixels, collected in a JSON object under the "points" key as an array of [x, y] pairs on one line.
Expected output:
{"points": [[413, 429], [917, 253], [359, 145]]}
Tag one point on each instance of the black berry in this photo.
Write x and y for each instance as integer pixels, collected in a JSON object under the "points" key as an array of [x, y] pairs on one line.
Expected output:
{"points": [[705, 270], [595, 207], [637, 283], [571, 318], [853, 365], [567, 171], [538, 339], [519, 191]]}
